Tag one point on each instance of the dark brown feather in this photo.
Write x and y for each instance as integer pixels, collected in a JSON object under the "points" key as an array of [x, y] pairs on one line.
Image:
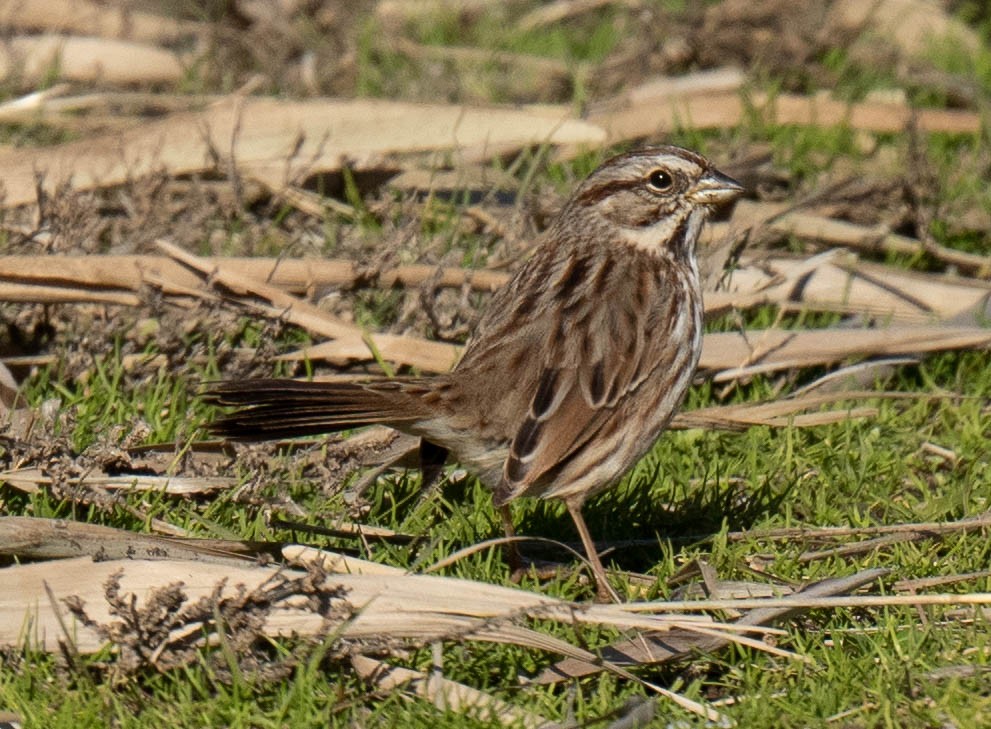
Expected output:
{"points": [[276, 408]]}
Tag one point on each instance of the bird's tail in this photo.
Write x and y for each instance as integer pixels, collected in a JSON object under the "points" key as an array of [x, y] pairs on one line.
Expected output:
{"points": [[272, 409]]}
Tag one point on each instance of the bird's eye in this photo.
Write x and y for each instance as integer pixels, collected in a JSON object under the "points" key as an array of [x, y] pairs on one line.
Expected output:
{"points": [[659, 181]]}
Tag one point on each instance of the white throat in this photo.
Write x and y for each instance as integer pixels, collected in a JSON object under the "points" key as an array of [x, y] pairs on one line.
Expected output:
{"points": [[656, 238]]}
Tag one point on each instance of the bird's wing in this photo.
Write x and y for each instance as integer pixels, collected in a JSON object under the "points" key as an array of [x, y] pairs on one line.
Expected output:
{"points": [[598, 353]]}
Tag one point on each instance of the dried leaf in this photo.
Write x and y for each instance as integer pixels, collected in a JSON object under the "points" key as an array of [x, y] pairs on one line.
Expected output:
{"points": [[30, 480], [278, 141], [384, 606], [733, 354], [911, 24], [726, 110], [677, 644], [445, 694], [95, 18], [89, 60], [35, 538]]}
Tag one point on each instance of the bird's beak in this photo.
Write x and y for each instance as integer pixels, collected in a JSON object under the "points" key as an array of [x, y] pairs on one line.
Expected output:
{"points": [[715, 188]]}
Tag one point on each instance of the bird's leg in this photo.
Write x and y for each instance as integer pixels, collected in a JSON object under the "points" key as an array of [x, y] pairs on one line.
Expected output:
{"points": [[432, 459], [513, 558], [605, 591]]}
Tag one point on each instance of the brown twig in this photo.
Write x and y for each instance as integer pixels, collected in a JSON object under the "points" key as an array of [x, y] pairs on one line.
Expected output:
{"points": [[981, 521]]}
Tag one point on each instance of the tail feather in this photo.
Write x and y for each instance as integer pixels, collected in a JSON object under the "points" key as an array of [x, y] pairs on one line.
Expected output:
{"points": [[271, 409]]}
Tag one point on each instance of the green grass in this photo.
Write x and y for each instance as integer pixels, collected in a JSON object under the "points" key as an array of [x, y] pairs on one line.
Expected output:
{"points": [[883, 665]]}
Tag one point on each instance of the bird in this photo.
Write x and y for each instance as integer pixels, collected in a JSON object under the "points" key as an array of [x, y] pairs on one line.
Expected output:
{"points": [[576, 365]]}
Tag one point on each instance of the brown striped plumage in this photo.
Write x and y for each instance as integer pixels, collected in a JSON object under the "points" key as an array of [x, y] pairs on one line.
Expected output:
{"points": [[579, 361]]}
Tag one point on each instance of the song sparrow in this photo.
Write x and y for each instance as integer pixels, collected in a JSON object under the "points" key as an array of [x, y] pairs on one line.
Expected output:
{"points": [[577, 364]]}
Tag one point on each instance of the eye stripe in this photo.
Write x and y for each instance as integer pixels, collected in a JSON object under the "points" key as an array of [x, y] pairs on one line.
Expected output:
{"points": [[598, 193]]}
